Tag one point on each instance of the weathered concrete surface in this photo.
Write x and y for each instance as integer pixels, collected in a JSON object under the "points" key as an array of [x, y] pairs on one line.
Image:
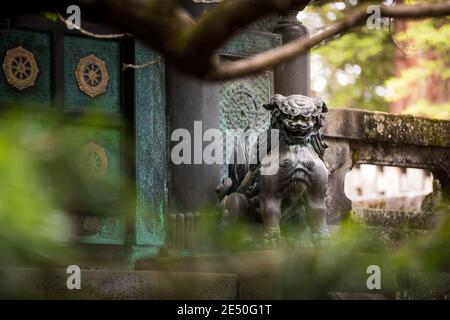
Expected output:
{"points": [[397, 203], [125, 284], [421, 285], [394, 219], [409, 156], [393, 238], [384, 127], [338, 159]]}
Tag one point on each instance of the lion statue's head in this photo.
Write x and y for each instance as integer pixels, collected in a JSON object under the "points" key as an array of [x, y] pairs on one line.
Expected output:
{"points": [[299, 119], [297, 116]]}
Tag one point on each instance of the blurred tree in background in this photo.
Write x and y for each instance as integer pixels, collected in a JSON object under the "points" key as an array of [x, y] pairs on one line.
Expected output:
{"points": [[403, 67], [421, 84], [350, 71]]}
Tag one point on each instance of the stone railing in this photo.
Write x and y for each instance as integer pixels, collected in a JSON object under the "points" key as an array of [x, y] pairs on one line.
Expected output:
{"points": [[361, 137]]}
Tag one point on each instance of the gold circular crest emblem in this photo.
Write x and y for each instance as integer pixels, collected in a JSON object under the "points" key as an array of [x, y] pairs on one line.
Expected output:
{"points": [[92, 75], [94, 162], [20, 68]]}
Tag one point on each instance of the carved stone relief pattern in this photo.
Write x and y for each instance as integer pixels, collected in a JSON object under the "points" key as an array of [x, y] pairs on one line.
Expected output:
{"points": [[241, 106]]}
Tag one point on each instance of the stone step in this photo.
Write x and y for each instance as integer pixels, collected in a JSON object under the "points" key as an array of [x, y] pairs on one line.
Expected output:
{"points": [[282, 274], [355, 296], [121, 284], [304, 273]]}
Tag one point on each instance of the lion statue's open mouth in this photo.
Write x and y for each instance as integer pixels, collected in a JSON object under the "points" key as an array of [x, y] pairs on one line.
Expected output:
{"points": [[299, 127]]}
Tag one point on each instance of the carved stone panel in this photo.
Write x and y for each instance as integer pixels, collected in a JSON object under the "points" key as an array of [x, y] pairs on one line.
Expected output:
{"points": [[241, 105]]}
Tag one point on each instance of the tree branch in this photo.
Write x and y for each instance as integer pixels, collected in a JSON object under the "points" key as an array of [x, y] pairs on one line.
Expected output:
{"points": [[167, 27], [271, 58], [191, 46], [221, 22]]}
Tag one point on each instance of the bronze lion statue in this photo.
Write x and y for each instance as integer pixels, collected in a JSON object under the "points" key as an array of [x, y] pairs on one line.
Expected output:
{"points": [[293, 196]]}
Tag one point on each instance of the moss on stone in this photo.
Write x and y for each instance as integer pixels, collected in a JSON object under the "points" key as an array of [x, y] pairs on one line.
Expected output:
{"points": [[407, 129], [355, 156]]}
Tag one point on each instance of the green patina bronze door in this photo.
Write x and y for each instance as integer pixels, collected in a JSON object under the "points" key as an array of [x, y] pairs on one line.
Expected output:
{"points": [[49, 67]]}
